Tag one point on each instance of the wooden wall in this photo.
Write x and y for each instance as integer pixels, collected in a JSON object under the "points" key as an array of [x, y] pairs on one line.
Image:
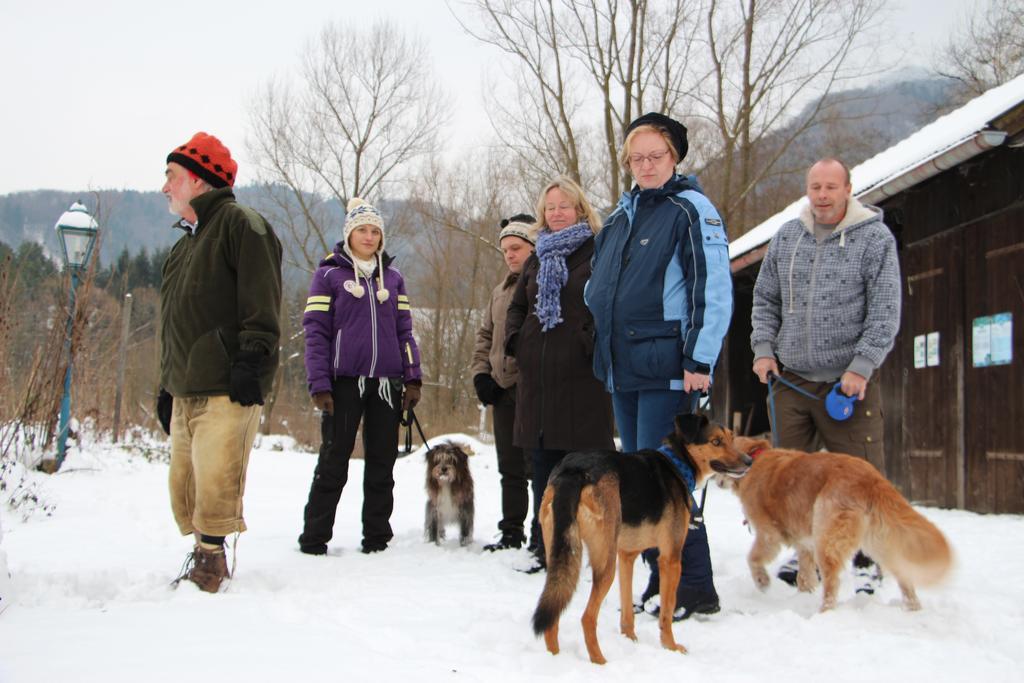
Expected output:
{"points": [[954, 431]]}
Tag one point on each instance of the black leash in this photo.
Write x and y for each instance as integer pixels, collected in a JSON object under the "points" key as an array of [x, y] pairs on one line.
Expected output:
{"points": [[699, 518], [408, 422]]}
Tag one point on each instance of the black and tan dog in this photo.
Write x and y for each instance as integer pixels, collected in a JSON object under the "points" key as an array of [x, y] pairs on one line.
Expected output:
{"points": [[620, 504]]}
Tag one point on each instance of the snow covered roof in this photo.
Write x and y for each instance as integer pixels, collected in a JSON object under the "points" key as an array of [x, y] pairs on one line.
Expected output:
{"points": [[898, 162]]}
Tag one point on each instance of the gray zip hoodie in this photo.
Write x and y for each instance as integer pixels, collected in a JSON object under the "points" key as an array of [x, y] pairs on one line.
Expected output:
{"points": [[825, 308]]}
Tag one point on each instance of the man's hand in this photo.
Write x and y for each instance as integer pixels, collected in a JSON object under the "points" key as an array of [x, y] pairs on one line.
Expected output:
{"points": [[765, 366], [324, 402], [487, 390], [853, 384], [694, 382], [410, 397], [244, 388]]}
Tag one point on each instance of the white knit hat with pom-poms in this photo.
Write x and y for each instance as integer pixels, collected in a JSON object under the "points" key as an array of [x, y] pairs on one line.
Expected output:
{"points": [[360, 212]]}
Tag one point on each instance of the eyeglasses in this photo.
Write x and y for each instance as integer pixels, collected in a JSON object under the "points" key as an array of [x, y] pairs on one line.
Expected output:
{"points": [[654, 158]]}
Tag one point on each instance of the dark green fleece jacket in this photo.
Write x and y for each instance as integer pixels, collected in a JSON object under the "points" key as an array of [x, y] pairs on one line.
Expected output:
{"points": [[221, 293]]}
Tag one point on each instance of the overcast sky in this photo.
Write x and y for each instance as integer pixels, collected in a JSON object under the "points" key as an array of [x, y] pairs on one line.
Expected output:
{"points": [[93, 95]]}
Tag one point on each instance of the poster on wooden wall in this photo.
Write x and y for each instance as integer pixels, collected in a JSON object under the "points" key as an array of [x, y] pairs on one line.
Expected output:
{"points": [[1002, 339], [992, 340], [932, 346]]}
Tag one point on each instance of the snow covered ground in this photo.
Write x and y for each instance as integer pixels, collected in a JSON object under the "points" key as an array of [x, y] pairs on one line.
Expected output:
{"points": [[93, 601]]}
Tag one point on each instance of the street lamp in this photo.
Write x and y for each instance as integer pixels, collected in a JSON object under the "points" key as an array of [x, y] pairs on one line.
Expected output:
{"points": [[77, 232]]}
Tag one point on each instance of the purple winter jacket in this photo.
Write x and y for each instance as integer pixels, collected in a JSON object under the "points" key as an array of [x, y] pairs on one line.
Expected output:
{"points": [[357, 337]]}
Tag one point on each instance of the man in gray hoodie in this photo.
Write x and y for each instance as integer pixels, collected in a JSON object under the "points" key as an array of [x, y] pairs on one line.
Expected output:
{"points": [[827, 306]]}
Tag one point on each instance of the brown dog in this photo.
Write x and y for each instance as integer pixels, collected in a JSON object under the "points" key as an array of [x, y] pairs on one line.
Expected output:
{"points": [[620, 504], [449, 493], [827, 505]]}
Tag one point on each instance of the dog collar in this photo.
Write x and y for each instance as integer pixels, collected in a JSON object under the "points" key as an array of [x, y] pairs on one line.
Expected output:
{"points": [[684, 470]]}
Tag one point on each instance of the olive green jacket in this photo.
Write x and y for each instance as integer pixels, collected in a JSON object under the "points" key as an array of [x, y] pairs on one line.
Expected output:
{"points": [[221, 293]]}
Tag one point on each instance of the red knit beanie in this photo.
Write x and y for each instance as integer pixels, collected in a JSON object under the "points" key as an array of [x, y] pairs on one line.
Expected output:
{"points": [[208, 158]]}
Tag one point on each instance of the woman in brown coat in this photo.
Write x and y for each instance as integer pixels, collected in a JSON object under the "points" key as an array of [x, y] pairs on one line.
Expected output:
{"points": [[560, 405]]}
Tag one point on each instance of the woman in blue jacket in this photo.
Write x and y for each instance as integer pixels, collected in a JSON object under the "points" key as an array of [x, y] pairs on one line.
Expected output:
{"points": [[661, 297]]}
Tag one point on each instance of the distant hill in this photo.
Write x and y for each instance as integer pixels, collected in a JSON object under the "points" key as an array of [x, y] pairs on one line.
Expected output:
{"points": [[855, 126], [128, 218], [133, 220], [873, 119]]}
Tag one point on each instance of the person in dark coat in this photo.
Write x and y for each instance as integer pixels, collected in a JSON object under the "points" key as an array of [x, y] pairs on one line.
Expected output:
{"points": [[661, 295], [560, 405], [220, 302], [494, 378], [362, 364]]}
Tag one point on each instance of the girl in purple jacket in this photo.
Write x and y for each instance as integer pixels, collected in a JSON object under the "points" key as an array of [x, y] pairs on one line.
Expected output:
{"points": [[362, 363]]}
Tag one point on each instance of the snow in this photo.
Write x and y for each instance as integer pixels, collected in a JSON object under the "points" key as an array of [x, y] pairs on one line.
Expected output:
{"points": [[927, 143], [76, 217], [93, 602]]}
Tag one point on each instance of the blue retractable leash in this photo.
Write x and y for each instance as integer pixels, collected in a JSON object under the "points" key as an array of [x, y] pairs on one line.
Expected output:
{"points": [[838, 405]]}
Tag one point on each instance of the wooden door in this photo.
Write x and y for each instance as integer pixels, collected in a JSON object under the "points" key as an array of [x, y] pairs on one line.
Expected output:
{"points": [[931, 425], [994, 286]]}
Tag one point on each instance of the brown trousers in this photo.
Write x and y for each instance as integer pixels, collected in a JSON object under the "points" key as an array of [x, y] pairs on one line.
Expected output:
{"points": [[211, 438], [804, 425]]}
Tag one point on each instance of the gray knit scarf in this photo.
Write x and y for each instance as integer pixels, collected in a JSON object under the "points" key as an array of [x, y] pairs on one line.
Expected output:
{"points": [[552, 248]]}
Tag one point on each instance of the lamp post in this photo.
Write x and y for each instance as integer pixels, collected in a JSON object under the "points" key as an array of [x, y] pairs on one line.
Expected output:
{"points": [[77, 232]]}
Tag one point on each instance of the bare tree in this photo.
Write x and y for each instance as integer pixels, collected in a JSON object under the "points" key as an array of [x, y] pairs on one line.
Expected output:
{"points": [[737, 73], [768, 58], [546, 128], [365, 105], [987, 50], [457, 263], [583, 70], [637, 57]]}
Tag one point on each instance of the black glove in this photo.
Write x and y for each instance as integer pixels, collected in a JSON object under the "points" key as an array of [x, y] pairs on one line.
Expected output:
{"points": [[487, 390], [164, 406], [245, 378]]}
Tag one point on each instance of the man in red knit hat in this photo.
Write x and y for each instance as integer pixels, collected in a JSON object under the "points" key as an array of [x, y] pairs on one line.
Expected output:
{"points": [[220, 299]]}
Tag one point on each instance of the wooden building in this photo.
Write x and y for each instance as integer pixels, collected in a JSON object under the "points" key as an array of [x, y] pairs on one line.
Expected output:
{"points": [[953, 385]]}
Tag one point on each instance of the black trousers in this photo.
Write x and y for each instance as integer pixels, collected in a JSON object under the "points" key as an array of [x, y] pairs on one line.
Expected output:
{"points": [[544, 461], [697, 580], [380, 449], [512, 465]]}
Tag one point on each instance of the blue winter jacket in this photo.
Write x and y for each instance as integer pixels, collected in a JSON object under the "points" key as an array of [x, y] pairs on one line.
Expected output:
{"points": [[661, 289]]}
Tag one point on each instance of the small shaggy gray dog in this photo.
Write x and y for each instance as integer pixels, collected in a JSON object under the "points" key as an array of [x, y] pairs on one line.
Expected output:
{"points": [[449, 493]]}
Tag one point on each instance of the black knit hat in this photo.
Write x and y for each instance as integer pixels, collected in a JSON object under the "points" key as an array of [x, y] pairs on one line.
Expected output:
{"points": [[518, 218], [676, 131]]}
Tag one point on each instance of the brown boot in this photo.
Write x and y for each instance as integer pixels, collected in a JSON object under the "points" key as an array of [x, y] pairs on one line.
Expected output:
{"points": [[210, 568]]}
